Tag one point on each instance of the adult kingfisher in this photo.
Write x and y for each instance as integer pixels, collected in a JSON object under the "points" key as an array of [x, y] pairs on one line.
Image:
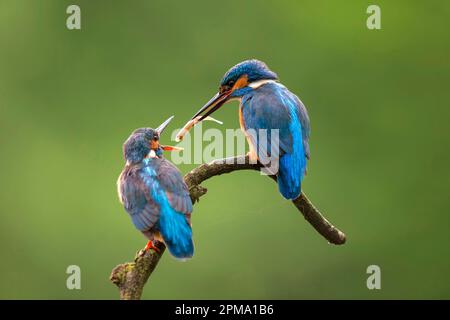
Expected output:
{"points": [[153, 192], [265, 105]]}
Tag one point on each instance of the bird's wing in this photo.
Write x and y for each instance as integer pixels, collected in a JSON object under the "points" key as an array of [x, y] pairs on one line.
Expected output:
{"points": [[172, 182], [304, 121], [274, 107], [136, 198], [176, 208]]}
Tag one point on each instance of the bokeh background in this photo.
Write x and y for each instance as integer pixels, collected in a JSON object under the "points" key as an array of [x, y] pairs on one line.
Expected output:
{"points": [[379, 106]]}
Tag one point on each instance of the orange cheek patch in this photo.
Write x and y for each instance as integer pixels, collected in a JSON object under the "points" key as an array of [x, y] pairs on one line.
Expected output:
{"points": [[242, 82], [154, 144]]}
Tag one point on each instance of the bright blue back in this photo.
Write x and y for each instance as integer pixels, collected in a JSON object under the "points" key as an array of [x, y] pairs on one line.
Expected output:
{"points": [[157, 199], [273, 106]]}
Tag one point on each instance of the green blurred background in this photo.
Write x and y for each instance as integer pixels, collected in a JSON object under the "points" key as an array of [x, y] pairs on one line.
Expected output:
{"points": [[379, 107]]}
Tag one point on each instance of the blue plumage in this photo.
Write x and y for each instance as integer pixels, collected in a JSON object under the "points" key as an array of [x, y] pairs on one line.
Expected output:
{"points": [[254, 70], [293, 163], [273, 107], [175, 230], [153, 192], [267, 108]]}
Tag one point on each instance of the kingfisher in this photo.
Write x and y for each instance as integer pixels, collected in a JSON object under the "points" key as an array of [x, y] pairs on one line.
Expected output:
{"points": [[266, 105], [154, 194]]}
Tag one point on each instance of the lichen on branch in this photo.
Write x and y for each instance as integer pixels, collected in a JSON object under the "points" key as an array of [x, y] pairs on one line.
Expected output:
{"points": [[131, 277]]}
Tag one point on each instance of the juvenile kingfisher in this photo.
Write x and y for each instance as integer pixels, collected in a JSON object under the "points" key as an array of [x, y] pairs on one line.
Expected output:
{"points": [[153, 192], [265, 105]]}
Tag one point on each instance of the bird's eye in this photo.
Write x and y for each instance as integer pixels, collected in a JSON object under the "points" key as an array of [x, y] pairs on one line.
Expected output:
{"points": [[226, 87]]}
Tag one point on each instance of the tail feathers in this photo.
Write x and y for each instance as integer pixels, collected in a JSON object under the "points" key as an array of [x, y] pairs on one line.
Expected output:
{"points": [[177, 234], [289, 177]]}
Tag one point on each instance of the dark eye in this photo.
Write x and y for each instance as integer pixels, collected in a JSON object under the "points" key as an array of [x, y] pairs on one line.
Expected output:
{"points": [[227, 87]]}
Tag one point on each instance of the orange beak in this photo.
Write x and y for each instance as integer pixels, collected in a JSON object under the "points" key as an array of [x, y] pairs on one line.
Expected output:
{"points": [[171, 148]]}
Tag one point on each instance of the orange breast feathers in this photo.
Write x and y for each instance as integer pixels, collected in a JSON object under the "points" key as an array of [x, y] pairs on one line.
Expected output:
{"points": [[252, 149]]}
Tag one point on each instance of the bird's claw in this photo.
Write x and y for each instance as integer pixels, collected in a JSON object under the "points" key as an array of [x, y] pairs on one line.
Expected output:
{"points": [[151, 245]]}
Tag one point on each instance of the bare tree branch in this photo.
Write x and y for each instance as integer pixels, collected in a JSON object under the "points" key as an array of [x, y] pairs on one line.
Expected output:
{"points": [[131, 277]]}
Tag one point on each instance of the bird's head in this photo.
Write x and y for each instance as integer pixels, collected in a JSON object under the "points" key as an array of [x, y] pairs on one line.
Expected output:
{"points": [[236, 82], [144, 142]]}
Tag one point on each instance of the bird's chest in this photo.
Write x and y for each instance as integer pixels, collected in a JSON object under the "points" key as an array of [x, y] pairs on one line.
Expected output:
{"points": [[252, 148], [241, 118]]}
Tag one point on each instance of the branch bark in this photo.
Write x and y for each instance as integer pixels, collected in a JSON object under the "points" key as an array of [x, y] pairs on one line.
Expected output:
{"points": [[131, 277]]}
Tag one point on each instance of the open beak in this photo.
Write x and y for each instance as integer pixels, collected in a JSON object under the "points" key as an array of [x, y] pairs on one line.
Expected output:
{"points": [[163, 125], [160, 129], [171, 148], [212, 105]]}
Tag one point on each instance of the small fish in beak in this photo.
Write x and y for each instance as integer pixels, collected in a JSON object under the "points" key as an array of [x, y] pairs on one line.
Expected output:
{"points": [[224, 95], [191, 123]]}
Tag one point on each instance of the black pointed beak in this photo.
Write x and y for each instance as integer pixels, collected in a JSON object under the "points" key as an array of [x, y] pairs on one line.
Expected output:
{"points": [[212, 105], [163, 125]]}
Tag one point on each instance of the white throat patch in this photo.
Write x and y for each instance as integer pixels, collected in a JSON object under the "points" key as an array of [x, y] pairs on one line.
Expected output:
{"points": [[259, 83]]}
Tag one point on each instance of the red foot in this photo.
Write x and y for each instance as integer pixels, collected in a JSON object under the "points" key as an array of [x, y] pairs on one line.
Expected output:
{"points": [[150, 245]]}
